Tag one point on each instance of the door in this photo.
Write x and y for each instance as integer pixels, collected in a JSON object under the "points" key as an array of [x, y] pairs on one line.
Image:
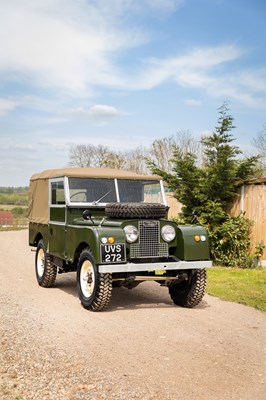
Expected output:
{"points": [[57, 218]]}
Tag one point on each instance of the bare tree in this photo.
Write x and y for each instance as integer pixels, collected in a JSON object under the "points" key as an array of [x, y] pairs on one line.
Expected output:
{"points": [[115, 160], [162, 150], [100, 155], [260, 143], [135, 160], [81, 155], [187, 143], [95, 156]]}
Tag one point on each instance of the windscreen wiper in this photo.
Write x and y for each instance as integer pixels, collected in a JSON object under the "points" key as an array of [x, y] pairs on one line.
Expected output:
{"points": [[97, 201]]}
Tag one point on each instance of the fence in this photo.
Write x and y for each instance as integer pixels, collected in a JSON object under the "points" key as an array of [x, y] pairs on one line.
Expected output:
{"points": [[15, 223], [251, 201]]}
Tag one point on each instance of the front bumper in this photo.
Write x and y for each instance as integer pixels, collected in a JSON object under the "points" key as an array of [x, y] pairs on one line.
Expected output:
{"points": [[160, 266]]}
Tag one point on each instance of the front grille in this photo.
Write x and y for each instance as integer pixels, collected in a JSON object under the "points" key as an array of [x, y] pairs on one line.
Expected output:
{"points": [[149, 241]]}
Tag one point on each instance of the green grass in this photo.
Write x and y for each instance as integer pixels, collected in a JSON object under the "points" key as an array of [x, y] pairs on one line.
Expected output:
{"points": [[244, 286]]}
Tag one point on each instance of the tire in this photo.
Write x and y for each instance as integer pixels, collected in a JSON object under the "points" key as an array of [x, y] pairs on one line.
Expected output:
{"points": [[135, 210], [45, 270], [189, 293], [94, 289]]}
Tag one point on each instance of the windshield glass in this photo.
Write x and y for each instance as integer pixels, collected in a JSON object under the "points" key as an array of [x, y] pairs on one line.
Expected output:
{"points": [[103, 190], [139, 191], [92, 190]]}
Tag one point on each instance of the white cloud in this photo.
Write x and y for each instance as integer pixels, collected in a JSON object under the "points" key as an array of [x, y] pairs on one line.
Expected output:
{"points": [[127, 7], [103, 111], [193, 102], [6, 106], [23, 147], [99, 113], [61, 43], [193, 69], [71, 48], [66, 45], [254, 80]]}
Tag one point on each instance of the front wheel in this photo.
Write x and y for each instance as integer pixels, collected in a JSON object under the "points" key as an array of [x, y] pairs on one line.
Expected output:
{"points": [[94, 289], [45, 270], [188, 293]]}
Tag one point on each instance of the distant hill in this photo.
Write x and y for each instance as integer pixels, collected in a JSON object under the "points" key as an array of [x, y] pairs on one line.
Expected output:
{"points": [[11, 189]]}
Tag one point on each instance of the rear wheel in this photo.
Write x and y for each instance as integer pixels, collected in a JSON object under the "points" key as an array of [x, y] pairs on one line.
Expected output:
{"points": [[45, 270], [188, 293], [94, 288]]}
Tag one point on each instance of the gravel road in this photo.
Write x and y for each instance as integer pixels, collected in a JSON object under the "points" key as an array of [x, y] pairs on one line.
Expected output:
{"points": [[141, 347]]}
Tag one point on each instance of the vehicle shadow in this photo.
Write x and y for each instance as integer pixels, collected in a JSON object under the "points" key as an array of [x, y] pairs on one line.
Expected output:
{"points": [[146, 295], [67, 283]]}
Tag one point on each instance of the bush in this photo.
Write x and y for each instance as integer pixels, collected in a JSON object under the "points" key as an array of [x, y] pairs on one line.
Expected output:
{"points": [[230, 242], [19, 212]]}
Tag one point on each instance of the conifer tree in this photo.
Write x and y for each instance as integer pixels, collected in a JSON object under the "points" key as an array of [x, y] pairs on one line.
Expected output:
{"points": [[216, 182], [210, 188]]}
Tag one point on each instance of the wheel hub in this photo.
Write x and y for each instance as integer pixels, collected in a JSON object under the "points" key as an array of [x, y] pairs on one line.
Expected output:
{"points": [[87, 278]]}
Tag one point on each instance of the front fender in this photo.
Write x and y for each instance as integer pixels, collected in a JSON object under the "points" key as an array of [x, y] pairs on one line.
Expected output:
{"points": [[91, 236]]}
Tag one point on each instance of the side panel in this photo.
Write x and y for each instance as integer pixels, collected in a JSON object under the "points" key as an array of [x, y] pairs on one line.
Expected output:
{"points": [[37, 230], [38, 201], [57, 234]]}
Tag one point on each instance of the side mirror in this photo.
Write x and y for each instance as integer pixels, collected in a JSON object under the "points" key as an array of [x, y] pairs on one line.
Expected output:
{"points": [[194, 216], [87, 215]]}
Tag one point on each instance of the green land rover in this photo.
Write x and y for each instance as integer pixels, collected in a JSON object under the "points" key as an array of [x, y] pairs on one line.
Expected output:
{"points": [[111, 227]]}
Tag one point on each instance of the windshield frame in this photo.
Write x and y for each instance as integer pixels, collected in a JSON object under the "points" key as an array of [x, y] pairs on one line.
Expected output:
{"points": [[95, 204]]}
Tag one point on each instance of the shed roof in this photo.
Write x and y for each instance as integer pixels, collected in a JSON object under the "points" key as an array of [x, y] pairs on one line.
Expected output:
{"points": [[91, 173]]}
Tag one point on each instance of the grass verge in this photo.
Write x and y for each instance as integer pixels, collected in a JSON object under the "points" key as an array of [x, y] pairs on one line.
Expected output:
{"points": [[244, 286]]}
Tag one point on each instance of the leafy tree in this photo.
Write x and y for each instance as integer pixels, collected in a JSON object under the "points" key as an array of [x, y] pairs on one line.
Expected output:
{"points": [[210, 188]]}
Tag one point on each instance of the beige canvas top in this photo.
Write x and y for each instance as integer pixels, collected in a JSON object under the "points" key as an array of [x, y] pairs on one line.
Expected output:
{"points": [[91, 173], [38, 191]]}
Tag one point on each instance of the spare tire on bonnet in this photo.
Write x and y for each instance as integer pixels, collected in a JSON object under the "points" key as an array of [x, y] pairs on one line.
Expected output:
{"points": [[135, 210]]}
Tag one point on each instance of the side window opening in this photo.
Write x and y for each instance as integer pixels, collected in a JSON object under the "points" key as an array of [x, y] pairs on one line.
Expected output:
{"points": [[57, 193]]}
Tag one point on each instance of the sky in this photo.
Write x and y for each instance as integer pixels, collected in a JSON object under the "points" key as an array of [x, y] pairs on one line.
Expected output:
{"points": [[123, 73]]}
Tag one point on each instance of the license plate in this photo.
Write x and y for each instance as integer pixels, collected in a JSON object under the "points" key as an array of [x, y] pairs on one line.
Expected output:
{"points": [[112, 253]]}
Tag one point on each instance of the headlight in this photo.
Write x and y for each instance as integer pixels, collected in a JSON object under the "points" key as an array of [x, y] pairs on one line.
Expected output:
{"points": [[131, 233], [168, 233]]}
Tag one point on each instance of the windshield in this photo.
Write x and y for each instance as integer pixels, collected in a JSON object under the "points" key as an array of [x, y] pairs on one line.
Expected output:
{"points": [[103, 190]]}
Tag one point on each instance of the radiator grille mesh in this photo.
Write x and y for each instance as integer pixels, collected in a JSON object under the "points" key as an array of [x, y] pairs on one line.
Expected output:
{"points": [[149, 241]]}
